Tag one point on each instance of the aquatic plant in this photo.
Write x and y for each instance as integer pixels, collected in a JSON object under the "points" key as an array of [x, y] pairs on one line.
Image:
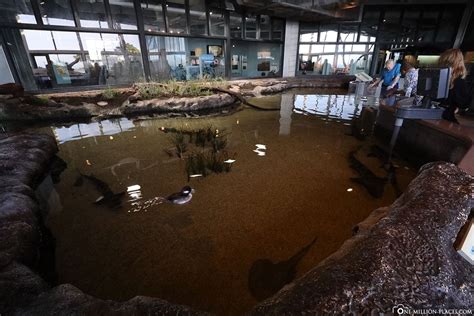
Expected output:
{"points": [[218, 143], [180, 144]]}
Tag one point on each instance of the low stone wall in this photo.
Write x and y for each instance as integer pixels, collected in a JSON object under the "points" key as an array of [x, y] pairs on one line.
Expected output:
{"points": [[66, 112], [406, 258], [402, 254]]}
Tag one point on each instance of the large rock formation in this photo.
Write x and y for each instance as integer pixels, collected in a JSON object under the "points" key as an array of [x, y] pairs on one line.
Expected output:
{"points": [[406, 258]]}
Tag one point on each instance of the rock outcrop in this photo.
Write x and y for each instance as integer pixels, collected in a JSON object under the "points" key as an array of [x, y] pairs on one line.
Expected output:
{"points": [[406, 258], [177, 104]]}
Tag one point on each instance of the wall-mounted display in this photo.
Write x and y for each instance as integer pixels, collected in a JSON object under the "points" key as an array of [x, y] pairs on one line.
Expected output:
{"points": [[263, 66], [235, 62], [244, 62], [215, 50]]}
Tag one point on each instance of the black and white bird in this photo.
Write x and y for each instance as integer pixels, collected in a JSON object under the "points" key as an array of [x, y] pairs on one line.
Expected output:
{"points": [[182, 197]]}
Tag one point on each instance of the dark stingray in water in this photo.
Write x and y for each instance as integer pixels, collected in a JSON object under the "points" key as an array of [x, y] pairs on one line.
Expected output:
{"points": [[108, 197], [266, 278], [383, 156], [374, 184]]}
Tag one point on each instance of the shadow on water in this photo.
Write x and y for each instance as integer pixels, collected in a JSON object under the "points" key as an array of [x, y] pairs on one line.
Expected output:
{"points": [[108, 197], [266, 278]]}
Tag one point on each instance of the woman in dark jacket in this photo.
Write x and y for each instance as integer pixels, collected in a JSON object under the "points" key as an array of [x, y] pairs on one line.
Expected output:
{"points": [[459, 94]]}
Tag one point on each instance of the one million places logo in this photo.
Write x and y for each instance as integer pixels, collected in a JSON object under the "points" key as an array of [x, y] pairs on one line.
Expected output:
{"points": [[403, 309]]}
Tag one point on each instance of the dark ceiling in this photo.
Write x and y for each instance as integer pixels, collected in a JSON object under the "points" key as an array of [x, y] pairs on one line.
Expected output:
{"points": [[317, 10]]}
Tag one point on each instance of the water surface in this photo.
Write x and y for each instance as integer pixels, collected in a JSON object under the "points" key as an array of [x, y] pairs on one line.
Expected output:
{"points": [[286, 204]]}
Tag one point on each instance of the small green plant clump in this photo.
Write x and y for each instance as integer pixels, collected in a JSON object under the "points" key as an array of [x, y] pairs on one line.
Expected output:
{"points": [[109, 93], [40, 100], [192, 88]]}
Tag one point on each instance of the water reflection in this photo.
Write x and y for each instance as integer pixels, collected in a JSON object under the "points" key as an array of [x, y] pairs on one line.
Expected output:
{"points": [[81, 131], [342, 107], [238, 226], [286, 109]]}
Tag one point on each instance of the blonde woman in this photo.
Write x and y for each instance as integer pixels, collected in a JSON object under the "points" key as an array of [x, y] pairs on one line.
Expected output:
{"points": [[459, 95]]}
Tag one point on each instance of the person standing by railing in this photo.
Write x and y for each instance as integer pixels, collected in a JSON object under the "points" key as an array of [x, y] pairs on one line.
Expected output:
{"points": [[390, 76], [459, 95]]}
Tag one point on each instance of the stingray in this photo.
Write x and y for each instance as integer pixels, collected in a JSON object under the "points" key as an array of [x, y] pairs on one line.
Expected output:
{"points": [[374, 184], [266, 278]]}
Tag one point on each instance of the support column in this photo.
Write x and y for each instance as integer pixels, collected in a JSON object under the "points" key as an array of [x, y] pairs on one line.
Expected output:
{"points": [[463, 25], [290, 53]]}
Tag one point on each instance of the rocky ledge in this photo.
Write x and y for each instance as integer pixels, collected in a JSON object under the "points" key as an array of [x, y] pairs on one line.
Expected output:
{"points": [[407, 257], [402, 254], [103, 104]]}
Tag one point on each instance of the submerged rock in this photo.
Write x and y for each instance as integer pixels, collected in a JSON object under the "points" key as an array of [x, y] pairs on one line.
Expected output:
{"points": [[406, 258]]}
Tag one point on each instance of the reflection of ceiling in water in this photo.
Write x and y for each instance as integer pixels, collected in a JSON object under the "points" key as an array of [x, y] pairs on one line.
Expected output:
{"points": [[80, 131], [341, 107]]}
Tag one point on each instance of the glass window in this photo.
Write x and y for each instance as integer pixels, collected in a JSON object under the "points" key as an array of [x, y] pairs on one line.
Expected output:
{"points": [[51, 40], [115, 55], [250, 27], [277, 29], [153, 18], [217, 23], [329, 48], [123, 14], [235, 25], [38, 40], [308, 32], [65, 40], [20, 11], [345, 60], [309, 37], [92, 13], [56, 70], [317, 49], [265, 27], [176, 14], [328, 33], [56, 12], [304, 49], [348, 33], [197, 17], [185, 58]]}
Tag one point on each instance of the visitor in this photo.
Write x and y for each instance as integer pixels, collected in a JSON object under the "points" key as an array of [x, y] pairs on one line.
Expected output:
{"points": [[390, 76], [411, 78], [459, 96]]}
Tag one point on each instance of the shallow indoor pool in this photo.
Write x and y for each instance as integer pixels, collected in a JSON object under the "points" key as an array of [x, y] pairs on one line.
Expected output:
{"points": [[273, 196]]}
